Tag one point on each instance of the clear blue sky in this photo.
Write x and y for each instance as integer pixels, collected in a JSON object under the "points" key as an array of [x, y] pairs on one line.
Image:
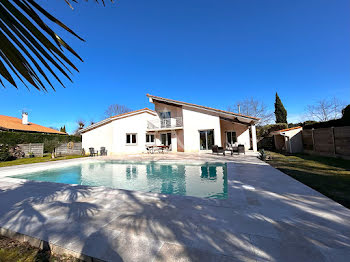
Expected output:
{"points": [[206, 52]]}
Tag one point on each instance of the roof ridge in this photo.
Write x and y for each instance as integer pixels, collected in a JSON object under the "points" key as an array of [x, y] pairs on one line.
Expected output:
{"points": [[205, 107]]}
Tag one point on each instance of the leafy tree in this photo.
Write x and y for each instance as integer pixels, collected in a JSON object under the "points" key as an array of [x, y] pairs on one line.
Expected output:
{"points": [[30, 49], [50, 145], [280, 111]]}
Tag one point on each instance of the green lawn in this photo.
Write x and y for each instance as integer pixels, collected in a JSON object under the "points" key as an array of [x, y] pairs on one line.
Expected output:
{"points": [[329, 176], [24, 161]]}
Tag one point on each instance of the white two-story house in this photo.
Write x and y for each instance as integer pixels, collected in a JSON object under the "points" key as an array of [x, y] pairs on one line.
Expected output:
{"points": [[181, 126]]}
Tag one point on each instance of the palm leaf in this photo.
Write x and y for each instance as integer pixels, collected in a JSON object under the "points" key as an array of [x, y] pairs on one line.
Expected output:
{"points": [[31, 51]]}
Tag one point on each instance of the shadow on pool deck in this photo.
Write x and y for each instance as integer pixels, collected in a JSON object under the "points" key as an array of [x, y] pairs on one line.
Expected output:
{"points": [[277, 219]]}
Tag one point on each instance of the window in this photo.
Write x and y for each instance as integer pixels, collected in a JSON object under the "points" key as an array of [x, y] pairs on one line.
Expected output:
{"points": [[131, 139], [165, 119], [231, 137], [164, 115], [149, 138]]}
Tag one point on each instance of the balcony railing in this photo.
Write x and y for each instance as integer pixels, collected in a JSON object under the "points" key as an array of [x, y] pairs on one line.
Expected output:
{"points": [[166, 123]]}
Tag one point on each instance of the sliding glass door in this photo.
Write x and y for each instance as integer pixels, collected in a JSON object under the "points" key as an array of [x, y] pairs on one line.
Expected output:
{"points": [[206, 139], [165, 139]]}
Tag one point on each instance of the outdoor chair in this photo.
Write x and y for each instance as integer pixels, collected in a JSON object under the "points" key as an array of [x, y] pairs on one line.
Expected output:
{"points": [[103, 151], [232, 148], [93, 152], [168, 149], [150, 149], [218, 150], [241, 149]]}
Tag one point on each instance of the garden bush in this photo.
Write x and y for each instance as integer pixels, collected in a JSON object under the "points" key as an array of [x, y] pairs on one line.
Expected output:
{"points": [[263, 131], [4, 153], [14, 138]]}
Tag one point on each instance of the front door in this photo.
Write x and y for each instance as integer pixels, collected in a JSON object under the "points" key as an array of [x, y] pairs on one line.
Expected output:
{"points": [[165, 139], [206, 139]]}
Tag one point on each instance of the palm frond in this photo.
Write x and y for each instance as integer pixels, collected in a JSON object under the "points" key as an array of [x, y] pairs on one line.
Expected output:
{"points": [[30, 51]]}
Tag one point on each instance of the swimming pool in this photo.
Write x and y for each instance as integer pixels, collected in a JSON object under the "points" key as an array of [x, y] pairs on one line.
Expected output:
{"points": [[208, 180]]}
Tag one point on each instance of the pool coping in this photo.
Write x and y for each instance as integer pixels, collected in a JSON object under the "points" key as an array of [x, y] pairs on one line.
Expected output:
{"points": [[7, 173]]}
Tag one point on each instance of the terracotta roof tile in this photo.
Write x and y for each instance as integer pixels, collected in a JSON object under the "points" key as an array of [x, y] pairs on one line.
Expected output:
{"points": [[288, 129], [13, 123]]}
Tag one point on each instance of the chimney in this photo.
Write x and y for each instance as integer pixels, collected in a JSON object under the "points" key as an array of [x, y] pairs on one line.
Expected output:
{"points": [[25, 118]]}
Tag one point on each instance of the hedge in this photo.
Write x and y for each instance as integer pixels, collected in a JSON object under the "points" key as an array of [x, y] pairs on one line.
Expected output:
{"points": [[263, 131], [344, 121], [14, 138], [330, 123]]}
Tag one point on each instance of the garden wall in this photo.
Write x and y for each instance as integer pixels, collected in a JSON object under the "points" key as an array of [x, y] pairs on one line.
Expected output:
{"points": [[333, 141], [37, 149], [70, 148]]}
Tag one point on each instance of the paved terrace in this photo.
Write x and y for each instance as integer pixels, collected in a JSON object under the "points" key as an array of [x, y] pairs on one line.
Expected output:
{"points": [[268, 217]]}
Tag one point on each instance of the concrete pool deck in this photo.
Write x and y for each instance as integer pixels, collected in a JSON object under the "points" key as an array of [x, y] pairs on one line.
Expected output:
{"points": [[268, 217]]}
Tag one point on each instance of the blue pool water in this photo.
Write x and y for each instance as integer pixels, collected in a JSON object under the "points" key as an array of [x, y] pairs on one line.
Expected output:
{"points": [[207, 180]]}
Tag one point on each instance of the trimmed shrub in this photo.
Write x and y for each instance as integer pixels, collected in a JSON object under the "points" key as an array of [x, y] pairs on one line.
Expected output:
{"points": [[14, 138], [346, 114], [263, 131], [4, 153], [344, 121]]}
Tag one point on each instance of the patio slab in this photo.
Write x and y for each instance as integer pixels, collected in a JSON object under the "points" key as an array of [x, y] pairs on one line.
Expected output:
{"points": [[268, 216]]}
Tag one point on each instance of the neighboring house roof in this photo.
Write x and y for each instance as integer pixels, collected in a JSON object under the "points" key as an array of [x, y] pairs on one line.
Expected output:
{"points": [[120, 116], [214, 110], [285, 130], [15, 124]]}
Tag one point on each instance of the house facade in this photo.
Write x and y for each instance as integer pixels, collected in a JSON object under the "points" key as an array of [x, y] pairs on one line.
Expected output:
{"points": [[181, 126]]}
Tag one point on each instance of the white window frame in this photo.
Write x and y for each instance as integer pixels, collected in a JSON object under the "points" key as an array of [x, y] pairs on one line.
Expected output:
{"points": [[131, 143], [149, 136]]}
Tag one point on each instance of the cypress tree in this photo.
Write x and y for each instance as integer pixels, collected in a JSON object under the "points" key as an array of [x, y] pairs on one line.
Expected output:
{"points": [[63, 129], [280, 111]]}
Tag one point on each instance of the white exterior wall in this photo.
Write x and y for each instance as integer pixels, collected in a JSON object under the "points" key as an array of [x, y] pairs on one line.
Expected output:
{"points": [[132, 124], [244, 139], [113, 135], [295, 142], [99, 137], [193, 122]]}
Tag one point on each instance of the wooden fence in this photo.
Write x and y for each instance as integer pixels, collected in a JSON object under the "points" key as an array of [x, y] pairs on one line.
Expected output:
{"points": [[333, 141], [70, 148], [36, 148]]}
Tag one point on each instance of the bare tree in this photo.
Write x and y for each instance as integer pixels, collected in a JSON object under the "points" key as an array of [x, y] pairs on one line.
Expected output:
{"points": [[325, 109], [253, 107], [116, 109], [81, 124]]}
